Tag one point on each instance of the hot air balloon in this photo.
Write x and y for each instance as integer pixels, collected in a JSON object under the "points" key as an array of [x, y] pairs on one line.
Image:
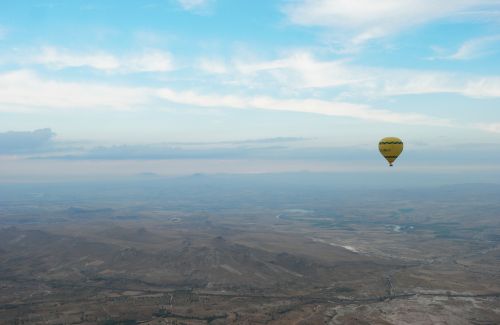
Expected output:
{"points": [[390, 148]]}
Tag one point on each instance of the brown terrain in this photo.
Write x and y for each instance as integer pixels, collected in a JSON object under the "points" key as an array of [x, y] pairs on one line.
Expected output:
{"points": [[418, 262]]}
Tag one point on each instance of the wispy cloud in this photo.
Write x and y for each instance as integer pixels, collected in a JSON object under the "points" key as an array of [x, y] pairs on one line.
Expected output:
{"points": [[146, 61], [60, 59], [483, 87], [212, 66], [23, 88], [27, 89], [192, 4], [297, 71], [197, 6], [302, 71], [315, 106], [367, 19], [149, 61], [489, 127], [476, 48]]}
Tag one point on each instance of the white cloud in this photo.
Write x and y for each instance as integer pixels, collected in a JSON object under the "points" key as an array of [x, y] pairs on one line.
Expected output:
{"points": [[301, 71], [26, 89], [489, 127], [368, 19], [483, 87], [60, 59], [297, 73], [147, 61], [194, 5], [212, 66], [315, 106], [476, 48]]}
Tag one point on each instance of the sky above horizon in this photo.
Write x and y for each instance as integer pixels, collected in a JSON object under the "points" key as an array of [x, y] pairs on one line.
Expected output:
{"points": [[279, 85]]}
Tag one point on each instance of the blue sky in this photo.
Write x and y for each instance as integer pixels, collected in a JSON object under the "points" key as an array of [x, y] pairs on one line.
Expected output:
{"points": [[206, 76]]}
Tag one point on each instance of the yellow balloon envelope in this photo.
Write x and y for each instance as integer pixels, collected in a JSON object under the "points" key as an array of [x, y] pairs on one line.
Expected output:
{"points": [[390, 148]]}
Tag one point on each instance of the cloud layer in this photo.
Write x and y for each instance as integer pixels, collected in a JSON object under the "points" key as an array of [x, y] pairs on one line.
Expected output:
{"points": [[284, 150], [26, 89], [17, 142]]}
